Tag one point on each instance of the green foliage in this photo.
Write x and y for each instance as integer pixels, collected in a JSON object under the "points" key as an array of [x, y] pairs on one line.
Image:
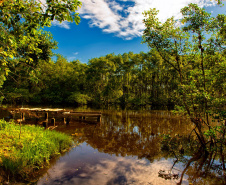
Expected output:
{"points": [[129, 80], [197, 62], [80, 99], [21, 36], [22, 154], [60, 79], [18, 95]]}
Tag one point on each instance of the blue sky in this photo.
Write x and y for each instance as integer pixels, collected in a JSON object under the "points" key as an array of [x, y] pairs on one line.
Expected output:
{"points": [[114, 26]]}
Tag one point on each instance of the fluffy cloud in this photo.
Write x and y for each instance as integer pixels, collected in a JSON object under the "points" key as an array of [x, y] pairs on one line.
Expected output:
{"points": [[124, 17], [63, 24], [115, 170]]}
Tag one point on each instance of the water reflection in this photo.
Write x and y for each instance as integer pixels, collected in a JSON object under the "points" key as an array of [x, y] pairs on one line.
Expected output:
{"points": [[129, 133], [124, 149], [84, 165], [128, 148]]}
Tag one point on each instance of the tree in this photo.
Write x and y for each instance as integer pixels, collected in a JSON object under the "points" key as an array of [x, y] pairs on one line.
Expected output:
{"points": [[195, 51], [99, 77], [59, 81], [21, 36]]}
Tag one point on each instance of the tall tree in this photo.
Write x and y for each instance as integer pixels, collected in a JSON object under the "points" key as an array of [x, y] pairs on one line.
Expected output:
{"points": [[196, 60]]}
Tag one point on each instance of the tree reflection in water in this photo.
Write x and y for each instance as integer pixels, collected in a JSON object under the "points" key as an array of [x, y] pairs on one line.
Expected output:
{"points": [[153, 136]]}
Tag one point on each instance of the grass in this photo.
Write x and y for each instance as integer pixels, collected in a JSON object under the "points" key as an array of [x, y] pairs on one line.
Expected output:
{"points": [[25, 150]]}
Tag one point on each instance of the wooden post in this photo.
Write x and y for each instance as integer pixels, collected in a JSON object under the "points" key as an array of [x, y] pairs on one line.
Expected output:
{"points": [[53, 122], [45, 124], [20, 130], [99, 118], [46, 116], [64, 119], [23, 116], [68, 121]]}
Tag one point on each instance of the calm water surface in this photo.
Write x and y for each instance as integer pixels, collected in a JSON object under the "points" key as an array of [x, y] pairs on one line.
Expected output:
{"points": [[86, 165], [127, 148], [123, 149]]}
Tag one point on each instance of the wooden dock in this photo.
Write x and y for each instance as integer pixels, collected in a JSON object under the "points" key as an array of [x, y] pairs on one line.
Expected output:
{"points": [[46, 113]]}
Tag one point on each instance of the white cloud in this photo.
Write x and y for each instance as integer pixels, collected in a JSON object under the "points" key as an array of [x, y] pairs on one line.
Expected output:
{"points": [[124, 17], [126, 21], [115, 170], [74, 56], [63, 24], [43, 4]]}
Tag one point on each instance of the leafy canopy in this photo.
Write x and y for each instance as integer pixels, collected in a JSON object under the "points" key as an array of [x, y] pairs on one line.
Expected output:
{"points": [[20, 27], [196, 51]]}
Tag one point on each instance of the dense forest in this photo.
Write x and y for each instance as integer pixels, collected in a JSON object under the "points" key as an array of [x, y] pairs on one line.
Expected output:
{"points": [[182, 60], [128, 80]]}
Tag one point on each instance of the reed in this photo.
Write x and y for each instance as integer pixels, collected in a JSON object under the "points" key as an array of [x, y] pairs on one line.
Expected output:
{"points": [[21, 154]]}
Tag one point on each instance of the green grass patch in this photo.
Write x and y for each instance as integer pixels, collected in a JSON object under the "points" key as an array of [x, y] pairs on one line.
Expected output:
{"points": [[25, 150]]}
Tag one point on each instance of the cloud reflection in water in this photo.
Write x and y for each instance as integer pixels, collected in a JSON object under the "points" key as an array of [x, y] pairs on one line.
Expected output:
{"points": [[85, 165]]}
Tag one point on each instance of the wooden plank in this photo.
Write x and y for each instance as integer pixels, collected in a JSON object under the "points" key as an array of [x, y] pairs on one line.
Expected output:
{"points": [[86, 115], [40, 109], [52, 110], [35, 109], [23, 108], [57, 110]]}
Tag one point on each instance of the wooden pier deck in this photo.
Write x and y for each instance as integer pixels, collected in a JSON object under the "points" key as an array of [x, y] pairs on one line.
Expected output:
{"points": [[46, 113]]}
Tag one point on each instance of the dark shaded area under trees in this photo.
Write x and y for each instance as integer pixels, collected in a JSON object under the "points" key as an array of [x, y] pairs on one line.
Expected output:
{"points": [[127, 81]]}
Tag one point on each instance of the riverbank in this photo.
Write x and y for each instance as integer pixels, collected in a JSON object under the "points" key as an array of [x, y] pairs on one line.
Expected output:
{"points": [[26, 149]]}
